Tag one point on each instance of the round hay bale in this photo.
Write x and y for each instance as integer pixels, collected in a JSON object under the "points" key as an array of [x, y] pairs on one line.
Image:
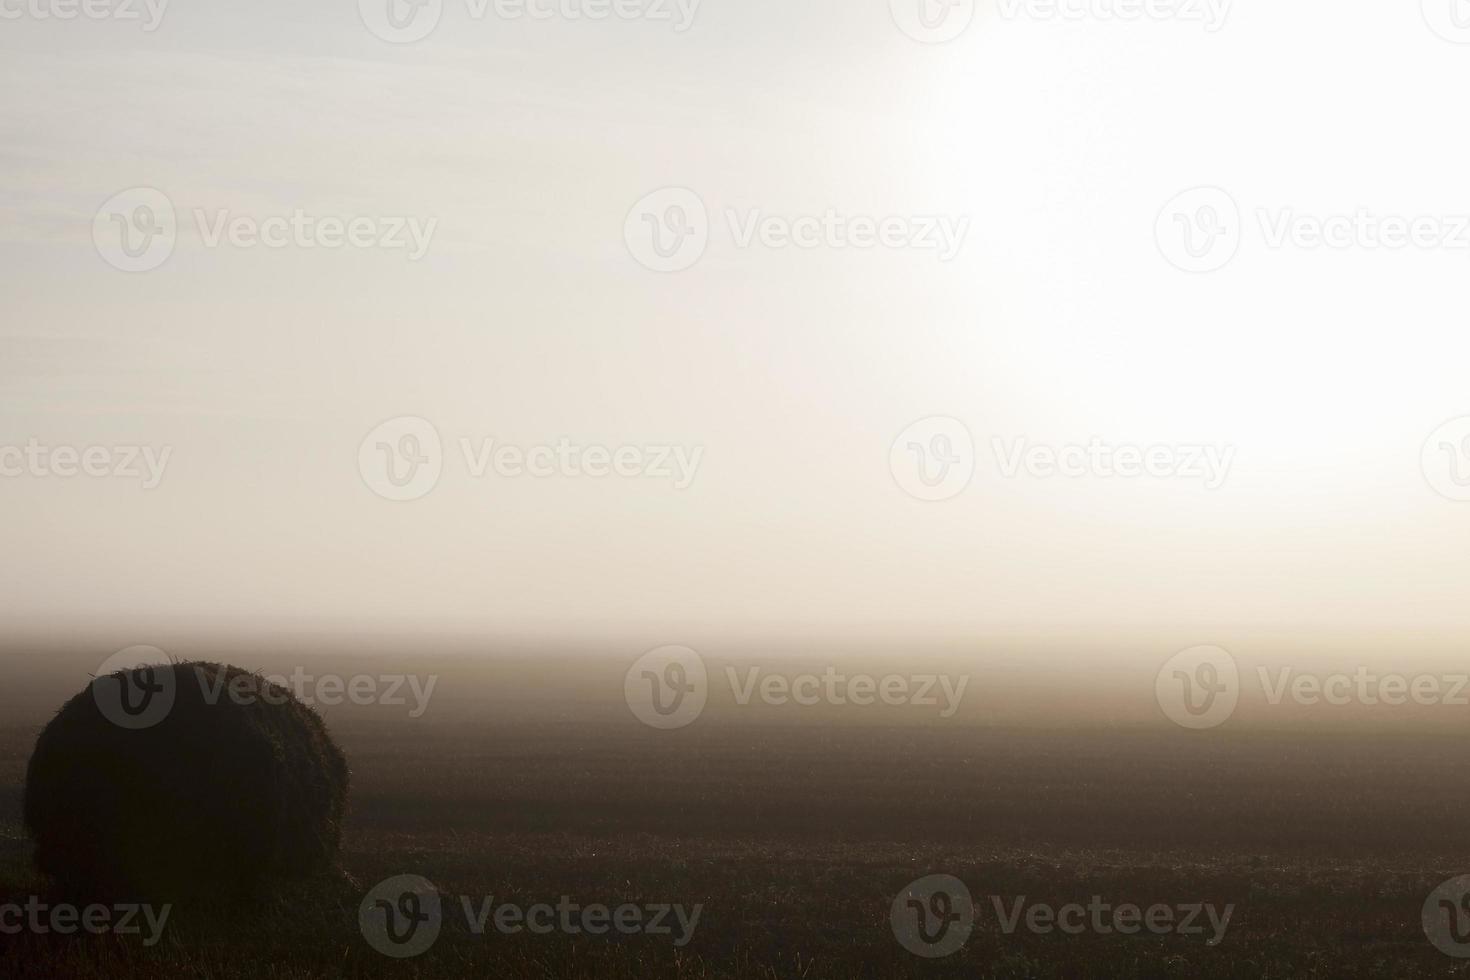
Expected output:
{"points": [[186, 779]]}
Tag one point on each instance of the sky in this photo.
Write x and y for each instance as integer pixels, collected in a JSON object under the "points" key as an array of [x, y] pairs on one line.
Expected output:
{"points": [[1064, 234]]}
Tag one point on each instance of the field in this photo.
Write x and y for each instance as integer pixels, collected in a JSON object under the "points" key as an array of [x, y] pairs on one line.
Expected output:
{"points": [[794, 838]]}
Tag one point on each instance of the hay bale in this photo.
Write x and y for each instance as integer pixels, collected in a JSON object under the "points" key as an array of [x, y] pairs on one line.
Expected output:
{"points": [[233, 783]]}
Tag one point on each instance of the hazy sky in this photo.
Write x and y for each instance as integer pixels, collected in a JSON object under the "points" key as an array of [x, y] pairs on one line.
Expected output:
{"points": [[529, 319]]}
